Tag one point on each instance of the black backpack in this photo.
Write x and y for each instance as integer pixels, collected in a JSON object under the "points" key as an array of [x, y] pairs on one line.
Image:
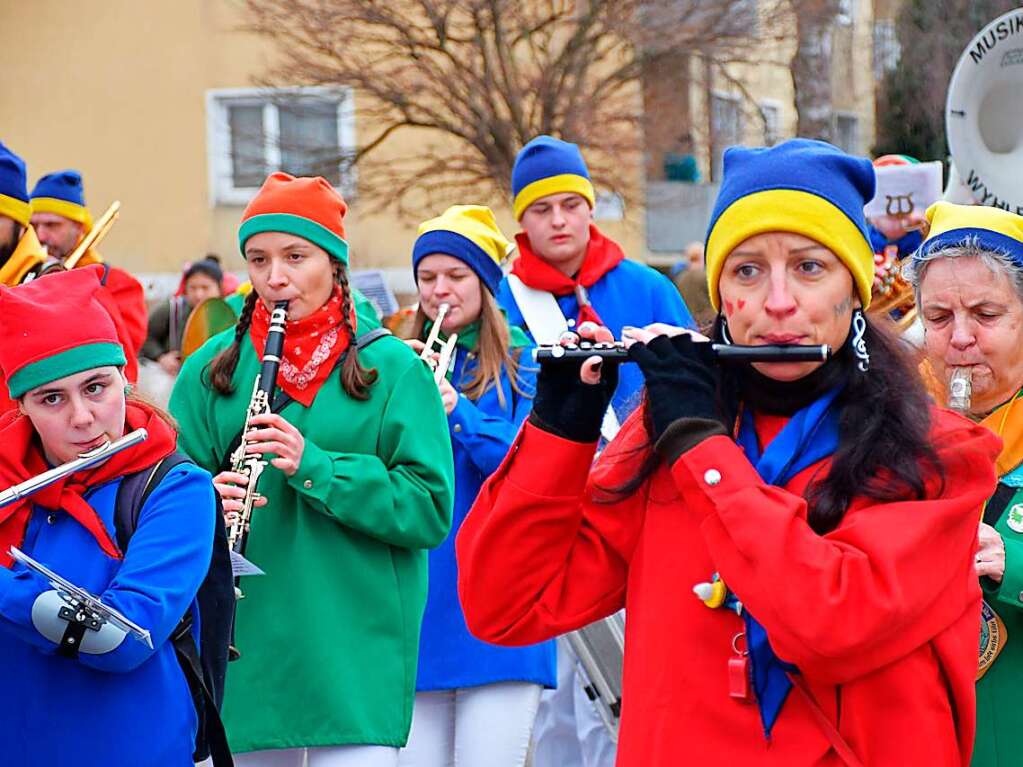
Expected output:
{"points": [[205, 667]]}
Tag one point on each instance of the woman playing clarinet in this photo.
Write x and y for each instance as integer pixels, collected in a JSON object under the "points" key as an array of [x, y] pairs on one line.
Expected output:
{"points": [[475, 702], [969, 281], [358, 486], [78, 692], [793, 542]]}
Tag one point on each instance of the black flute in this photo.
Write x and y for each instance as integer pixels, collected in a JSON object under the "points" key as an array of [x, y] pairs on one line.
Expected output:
{"points": [[615, 350]]}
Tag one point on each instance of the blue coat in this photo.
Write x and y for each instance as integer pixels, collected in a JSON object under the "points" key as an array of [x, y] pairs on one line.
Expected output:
{"points": [[481, 433], [630, 294], [131, 706]]}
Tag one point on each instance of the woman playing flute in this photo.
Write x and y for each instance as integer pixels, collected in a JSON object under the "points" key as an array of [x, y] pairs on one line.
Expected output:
{"points": [[823, 513], [98, 697]]}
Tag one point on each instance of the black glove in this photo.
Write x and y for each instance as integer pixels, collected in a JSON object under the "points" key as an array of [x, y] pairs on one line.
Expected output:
{"points": [[683, 382], [566, 406]]}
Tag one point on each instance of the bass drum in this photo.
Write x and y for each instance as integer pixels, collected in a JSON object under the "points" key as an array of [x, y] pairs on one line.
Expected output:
{"points": [[984, 117]]}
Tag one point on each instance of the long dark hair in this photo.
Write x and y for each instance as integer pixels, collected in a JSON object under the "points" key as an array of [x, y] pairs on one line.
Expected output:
{"points": [[355, 379], [884, 452]]}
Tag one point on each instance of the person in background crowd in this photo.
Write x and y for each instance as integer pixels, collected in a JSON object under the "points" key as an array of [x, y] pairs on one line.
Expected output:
{"points": [[98, 697], [475, 702], [200, 280], [568, 271], [825, 513], [691, 280], [357, 488], [968, 277], [21, 253], [61, 219]]}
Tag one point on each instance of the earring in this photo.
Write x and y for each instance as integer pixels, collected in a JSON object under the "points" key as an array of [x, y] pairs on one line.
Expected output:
{"points": [[725, 337], [859, 344]]}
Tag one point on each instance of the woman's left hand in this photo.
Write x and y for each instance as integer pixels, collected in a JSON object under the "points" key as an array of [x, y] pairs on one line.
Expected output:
{"points": [[448, 395], [990, 559], [276, 437], [681, 372]]}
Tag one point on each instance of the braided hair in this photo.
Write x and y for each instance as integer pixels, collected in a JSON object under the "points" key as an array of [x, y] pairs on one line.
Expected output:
{"points": [[354, 378]]}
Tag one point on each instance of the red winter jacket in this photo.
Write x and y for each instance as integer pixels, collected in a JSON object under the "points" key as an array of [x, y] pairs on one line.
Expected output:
{"points": [[880, 615]]}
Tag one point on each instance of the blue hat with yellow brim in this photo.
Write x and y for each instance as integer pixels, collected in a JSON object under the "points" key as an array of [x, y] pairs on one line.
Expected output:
{"points": [[547, 166]]}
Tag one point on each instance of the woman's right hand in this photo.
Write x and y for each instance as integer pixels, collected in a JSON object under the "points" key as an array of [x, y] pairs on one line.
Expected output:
{"points": [[990, 553], [571, 399], [230, 486]]}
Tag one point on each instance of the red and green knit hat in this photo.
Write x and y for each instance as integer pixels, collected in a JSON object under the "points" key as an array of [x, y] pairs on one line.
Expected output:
{"points": [[53, 327], [307, 207]]}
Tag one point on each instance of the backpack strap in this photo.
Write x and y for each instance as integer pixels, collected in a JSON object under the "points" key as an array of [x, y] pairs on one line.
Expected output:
{"points": [[282, 400], [188, 659], [998, 502], [134, 491]]}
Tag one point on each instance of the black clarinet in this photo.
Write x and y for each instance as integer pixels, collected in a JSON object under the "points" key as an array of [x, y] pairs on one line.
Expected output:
{"points": [[249, 464], [616, 351]]}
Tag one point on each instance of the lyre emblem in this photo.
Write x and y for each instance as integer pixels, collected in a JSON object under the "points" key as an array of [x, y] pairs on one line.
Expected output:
{"points": [[899, 204]]}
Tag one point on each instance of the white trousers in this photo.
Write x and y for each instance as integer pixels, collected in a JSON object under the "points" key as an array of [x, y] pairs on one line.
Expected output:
{"points": [[486, 726], [569, 732], [327, 756]]}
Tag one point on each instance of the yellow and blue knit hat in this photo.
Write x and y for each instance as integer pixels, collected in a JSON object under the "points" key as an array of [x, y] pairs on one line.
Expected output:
{"points": [[468, 233], [13, 187], [546, 166], [801, 186], [62, 193], [989, 228]]}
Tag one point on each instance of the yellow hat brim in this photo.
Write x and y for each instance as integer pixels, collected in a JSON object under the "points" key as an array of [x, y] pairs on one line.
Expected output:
{"points": [[562, 184], [789, 210], [63, 208]]}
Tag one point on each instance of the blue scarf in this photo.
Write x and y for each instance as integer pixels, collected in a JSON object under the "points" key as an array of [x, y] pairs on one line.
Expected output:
{"points": [[811, 435]]}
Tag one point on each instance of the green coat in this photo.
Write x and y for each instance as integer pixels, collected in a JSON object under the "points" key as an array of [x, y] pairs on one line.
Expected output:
{"points": [[999, 709], [329, 636]]}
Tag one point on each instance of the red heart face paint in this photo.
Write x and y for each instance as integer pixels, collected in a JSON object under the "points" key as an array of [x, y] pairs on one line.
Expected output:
{"points": [[729, 309], [741, 303]]}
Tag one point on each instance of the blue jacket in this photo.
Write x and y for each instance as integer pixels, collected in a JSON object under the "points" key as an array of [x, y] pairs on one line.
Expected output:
{"points": [[481, 433], [630, 294], [130, 707]]}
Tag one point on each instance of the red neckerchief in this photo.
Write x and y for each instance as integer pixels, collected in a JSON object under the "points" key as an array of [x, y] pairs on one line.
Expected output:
{"points": [[602, 255], [22, 458], [312, 346]]}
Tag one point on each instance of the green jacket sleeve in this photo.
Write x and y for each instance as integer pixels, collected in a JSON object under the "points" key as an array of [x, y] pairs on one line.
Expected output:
{"points": [[188, 406], [403, 495]]}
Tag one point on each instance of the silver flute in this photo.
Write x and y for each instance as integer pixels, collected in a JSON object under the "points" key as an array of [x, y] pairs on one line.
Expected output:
{"points": [[84, 461]]}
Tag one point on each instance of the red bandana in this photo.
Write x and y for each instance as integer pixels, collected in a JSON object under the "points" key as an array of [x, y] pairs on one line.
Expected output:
{"points": [[22, 458], [312, 346], [602, 255]]}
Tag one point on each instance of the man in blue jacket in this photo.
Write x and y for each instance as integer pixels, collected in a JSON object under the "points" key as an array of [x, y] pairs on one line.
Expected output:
{"points": [[568, 272]]}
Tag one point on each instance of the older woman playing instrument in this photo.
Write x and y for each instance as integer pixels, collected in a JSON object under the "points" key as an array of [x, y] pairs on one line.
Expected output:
{"points": [[99, 696], [822, 512], [969, 282], [357, 487]]}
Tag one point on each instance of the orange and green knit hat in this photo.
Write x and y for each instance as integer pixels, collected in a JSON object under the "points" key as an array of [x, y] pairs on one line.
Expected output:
{"points": [[307, 207]]}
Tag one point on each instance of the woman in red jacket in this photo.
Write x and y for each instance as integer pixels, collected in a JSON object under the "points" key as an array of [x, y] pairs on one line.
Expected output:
{"points": [[837, 505]]}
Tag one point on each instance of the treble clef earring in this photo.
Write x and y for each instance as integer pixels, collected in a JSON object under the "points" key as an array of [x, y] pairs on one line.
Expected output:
{"points": [[859, 344], [725, 337]]}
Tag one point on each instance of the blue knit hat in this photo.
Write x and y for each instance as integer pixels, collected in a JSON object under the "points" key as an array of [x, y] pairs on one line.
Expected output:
{"points": [[802, 186], [13, 187], [546, 166], [468, 233], [62, 193]]}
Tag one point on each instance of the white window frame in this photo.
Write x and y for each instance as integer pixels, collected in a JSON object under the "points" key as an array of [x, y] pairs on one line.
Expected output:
{"points": [[855, 150], [775, 106], [739, 129], [846, 12], [218, 135]]}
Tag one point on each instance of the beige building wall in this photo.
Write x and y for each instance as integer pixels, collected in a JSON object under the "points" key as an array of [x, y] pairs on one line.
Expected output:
{"points": [[117, 89]]}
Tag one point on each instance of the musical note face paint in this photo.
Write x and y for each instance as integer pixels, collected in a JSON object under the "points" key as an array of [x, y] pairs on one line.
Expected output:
{"points": [[784, 288]]}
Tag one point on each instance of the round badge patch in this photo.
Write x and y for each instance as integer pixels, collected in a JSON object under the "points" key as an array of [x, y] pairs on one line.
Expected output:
{"points": [[1015, 518]]}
